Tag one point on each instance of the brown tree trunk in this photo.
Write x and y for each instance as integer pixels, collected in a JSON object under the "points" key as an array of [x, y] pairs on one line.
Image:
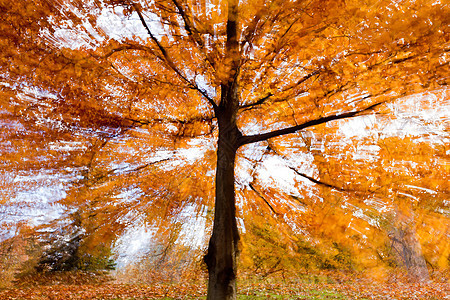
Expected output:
{"points": [[407, 249], [409, 253], [223, 245]]}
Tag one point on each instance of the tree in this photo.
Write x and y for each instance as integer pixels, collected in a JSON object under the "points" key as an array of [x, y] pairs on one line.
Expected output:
{"points": [[88, 75]]}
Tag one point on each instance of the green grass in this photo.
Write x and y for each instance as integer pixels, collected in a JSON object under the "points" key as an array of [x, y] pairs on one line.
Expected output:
{"points": [[309, 294]]}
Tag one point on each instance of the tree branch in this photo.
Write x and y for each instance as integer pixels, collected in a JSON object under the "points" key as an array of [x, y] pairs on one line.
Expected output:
{"points": [[184, 126], [98, 177], [193, 32], [124, 47], [167, 58], [274, 150], [269, 95], [316, 181], [265, 136], [258, 102], [264, 199], [334, 187], [166, 120]]}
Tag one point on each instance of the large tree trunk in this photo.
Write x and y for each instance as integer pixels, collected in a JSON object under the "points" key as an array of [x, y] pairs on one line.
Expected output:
{"points": [[223, 245]]}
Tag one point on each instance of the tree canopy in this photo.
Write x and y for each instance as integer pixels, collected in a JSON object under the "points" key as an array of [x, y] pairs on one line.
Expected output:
{"points": [[299, 121]]}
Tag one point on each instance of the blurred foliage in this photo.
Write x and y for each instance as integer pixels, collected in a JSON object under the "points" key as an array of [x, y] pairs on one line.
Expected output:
{"points": [[265, 252], [126, 127]]}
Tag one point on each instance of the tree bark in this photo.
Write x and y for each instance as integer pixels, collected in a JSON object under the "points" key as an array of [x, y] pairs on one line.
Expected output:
{"points": [[407, 249], [221, 258], [223, 245]]}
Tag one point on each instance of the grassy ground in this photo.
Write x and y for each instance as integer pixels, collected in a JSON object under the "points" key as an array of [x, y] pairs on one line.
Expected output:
{"points": [[304, 294], [331, 286], [131, 293]]}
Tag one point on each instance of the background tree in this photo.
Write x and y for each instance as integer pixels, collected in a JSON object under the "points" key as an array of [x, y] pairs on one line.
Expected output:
{"points": [[140, 101]]}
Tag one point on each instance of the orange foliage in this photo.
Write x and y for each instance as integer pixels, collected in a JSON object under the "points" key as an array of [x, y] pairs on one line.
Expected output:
{"points": [[122, 103]]}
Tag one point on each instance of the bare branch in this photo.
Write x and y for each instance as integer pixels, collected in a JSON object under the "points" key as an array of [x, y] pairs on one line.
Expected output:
{"points": [[258, 102], [269, 95], [193, 32], [99, 177], [168, 121], [125, 47], [148, 165], [318, 182], [264, 199], [312, 179], [184, 126], [265, 136], [167, 59]]}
